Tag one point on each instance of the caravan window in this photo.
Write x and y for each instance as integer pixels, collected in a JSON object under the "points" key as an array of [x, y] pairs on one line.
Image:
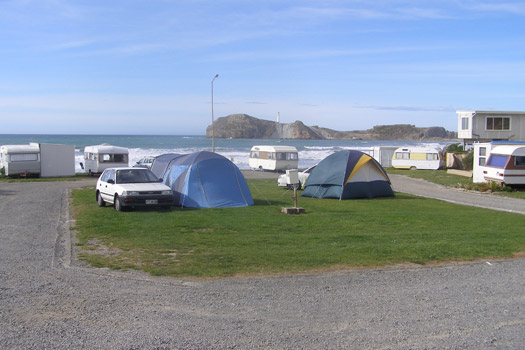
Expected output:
{"points": [[402, 155], [254, 154], [24, 157], [292, 156], [497, 160], [113, 158], [432, 156], [520, 161]]}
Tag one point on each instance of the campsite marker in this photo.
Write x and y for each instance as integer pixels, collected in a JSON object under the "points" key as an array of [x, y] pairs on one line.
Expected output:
{"points": [[294, 209]]}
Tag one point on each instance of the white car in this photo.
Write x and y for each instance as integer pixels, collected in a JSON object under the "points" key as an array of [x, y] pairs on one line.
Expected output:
{"points": [[132, 187], [282, 180], [144, 162]]}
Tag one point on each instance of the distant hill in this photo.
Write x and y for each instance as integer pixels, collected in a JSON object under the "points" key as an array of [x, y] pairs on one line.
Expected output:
{"points": [[243, 126]]}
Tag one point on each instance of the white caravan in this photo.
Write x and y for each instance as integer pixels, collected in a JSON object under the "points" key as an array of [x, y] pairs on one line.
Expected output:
{"points": [[99, 158], [20, 159], [275, 158], [506, 165], [429, 158]]}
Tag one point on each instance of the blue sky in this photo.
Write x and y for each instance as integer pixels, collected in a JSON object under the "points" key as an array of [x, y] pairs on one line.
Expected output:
{"points": [[145, 67]]}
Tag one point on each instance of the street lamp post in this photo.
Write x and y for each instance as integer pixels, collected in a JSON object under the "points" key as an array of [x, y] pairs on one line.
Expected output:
{"points": [[212, 118]]}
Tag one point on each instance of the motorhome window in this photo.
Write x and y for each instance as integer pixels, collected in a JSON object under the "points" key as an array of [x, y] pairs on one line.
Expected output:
{"points": [[402, 155], [254, 154], [432, 156], [464, 123], [24, 157], [497, 160], [520, 161], [482, 161], [498, 123]]}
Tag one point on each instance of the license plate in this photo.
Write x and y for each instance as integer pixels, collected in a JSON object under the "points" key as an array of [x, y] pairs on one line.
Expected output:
{"points": [[152, 201]]}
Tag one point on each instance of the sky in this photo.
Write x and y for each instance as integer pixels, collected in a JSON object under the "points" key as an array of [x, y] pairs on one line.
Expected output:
{"points": [[147, 66]]}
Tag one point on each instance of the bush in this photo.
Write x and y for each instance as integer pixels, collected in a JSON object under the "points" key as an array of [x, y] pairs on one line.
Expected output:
{"points": [[455, 148], [468, 161]]}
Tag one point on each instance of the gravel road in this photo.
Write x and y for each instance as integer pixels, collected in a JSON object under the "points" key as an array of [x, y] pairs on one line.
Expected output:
{"points": [[47, 301]]}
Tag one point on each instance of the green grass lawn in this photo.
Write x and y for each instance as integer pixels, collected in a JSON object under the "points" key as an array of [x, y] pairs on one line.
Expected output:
{"points": [[436, 176], [443, 178], [260, 240]]}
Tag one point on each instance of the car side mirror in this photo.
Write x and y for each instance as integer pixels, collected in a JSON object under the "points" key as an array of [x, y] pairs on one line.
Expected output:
{"points": [[82, 165], [160, 180], [111, 181]]}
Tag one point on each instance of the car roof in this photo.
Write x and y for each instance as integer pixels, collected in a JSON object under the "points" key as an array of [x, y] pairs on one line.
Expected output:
{"points": [[127, 168]]}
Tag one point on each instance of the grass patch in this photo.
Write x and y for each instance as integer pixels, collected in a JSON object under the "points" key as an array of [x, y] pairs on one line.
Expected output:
{"points": [[441, 177], [260, 240]]}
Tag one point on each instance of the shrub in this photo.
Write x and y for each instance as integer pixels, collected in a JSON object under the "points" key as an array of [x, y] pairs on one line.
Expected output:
{"points": [[454, 148]]}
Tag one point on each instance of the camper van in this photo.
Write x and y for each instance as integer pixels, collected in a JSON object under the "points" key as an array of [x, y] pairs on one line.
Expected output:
{"points": [[99, 158], [274, 158], [20, 159], [418, 158], [506, 165]]}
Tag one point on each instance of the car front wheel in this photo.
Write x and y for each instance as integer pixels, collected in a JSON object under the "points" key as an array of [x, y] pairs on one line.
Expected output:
{"points": [[100, 201], [118, 204]]}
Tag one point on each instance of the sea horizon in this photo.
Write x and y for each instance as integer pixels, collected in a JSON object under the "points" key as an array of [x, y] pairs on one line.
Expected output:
{"points": [[237, 150]]}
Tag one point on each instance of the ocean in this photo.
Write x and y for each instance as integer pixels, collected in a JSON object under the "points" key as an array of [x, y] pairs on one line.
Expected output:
{"points": [[310, 151]]}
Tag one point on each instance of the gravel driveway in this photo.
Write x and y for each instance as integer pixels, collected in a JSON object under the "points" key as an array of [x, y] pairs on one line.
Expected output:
{"points": [[49, 302]]}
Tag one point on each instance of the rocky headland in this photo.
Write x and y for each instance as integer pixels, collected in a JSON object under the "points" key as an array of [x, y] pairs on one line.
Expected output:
{"points": [[243, 126]]}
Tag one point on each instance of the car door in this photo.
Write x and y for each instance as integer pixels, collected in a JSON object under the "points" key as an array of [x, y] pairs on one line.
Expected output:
{"points": [[106, 184]]}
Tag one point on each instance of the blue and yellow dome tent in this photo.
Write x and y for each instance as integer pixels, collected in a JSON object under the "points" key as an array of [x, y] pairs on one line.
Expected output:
{"points": [[207, 180], [348, 174]]}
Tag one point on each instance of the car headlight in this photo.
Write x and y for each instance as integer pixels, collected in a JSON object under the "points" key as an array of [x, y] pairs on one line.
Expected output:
{"points": [[130, 193], [167, 192]]}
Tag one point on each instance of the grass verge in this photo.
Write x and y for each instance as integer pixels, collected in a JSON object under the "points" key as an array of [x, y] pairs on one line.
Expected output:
{"points": [[260, 240], [441, 177]]}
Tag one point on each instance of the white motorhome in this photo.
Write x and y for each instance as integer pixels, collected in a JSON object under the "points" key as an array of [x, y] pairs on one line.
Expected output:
{"points": [[20, 159], [275, 158], [100, 157], [428, 158]]}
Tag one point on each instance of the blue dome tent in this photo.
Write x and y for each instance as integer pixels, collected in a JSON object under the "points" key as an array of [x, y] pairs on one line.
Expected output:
{"points": [[161, 164], [348, 175], [207, 180]]}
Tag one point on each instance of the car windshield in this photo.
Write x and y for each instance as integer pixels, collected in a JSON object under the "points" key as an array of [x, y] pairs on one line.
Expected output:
{"points": [[129, 176]]}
